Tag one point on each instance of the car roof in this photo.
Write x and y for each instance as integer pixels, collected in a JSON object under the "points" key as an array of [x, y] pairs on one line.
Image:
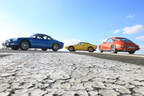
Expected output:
{"points": [[117, 37], [39, 34], [84, 42]]}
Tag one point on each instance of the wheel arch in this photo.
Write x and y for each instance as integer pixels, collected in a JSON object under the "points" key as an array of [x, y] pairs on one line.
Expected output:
{"points": [[71, 46], [90, 47], [54, 43], [22, 40], [113, 46]]}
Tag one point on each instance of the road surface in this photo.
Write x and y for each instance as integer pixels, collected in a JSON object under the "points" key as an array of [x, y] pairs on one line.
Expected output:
{"points": [[31, 73]]}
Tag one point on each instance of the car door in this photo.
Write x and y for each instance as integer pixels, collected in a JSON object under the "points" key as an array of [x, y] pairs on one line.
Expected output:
{"points": [[38, 42], [84, 46], [48, 42], [110, 43], [78, 46], [106, 44]]}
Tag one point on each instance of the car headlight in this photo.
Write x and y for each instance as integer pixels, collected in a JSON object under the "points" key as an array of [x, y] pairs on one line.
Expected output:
{"points": [[8, 40]]}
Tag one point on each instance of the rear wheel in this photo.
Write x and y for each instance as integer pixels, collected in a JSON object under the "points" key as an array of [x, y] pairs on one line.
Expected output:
{"points": [[24, 45], [131, 52], [101, 51], [55, 47], [71, 49], [91, 49], [113, 48], [44, 49]]}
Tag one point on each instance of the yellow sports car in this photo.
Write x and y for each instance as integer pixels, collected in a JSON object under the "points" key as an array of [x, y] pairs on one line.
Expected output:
{"points": [[82, 46]]}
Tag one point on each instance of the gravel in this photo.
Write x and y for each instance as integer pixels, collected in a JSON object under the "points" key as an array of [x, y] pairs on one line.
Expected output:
{"points": [[66, 74]]}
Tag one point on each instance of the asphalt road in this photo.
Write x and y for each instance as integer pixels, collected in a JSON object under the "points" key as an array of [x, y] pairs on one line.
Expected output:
{"points": [[126, 58], [3, 55]]}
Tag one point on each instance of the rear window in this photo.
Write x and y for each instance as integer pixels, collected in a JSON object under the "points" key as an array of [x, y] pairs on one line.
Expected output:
{"points": [[124, 40]]}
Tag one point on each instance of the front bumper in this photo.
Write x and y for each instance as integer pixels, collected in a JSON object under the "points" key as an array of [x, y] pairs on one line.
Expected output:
{"points": [[6, 44], [10, 44]]}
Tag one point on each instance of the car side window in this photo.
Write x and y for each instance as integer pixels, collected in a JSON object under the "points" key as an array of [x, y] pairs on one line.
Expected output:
{"points": [[82, 43], [49, 38], [39, 37], [113, 40], [109, 40], [45, 37]]}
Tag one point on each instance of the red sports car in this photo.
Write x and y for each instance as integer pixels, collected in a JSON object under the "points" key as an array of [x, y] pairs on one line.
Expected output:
{"points": [[116, 44]]}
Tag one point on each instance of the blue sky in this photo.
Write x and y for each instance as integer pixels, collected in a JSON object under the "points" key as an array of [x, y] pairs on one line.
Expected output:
{"points": [[73, 20]]}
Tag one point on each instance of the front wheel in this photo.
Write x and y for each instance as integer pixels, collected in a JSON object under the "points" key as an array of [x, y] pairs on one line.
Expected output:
{"points": [[71, 49], [131, 52], [55, 47], [113, 48], [100, 49], [24, 45], [90, 49]]}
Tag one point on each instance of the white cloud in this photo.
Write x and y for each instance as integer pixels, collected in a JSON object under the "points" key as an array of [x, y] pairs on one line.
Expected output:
{"points": [[71, 42], [140, 38], [131, 16], [133, 29], [117, 31], [130, 29]]}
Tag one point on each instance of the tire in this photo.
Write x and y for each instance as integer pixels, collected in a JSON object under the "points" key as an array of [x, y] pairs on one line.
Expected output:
{"points": [[55, 47], [131, 52], [101, 51], [71, 49], [113, 48], [91, 49], [44, 49], [14, 48], [24, 45]]}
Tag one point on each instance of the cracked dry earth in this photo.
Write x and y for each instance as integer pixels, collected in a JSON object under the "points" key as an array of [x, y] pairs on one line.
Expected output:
{"points": [[67, 74]]}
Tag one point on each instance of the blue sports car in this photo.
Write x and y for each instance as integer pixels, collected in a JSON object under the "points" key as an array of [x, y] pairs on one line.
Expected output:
{"points": [[35, 41]]}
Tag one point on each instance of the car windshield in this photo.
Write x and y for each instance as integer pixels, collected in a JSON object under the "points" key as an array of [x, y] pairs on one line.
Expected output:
{"points": [[125, 40], [33, 36]]}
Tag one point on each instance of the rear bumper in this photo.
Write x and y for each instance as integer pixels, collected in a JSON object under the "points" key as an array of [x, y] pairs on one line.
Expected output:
{"points": [[127, 49], [61, 46]]}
